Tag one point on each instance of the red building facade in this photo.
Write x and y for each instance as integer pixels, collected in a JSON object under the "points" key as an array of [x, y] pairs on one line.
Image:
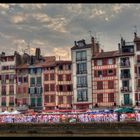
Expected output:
{"points": [[104, 79]]}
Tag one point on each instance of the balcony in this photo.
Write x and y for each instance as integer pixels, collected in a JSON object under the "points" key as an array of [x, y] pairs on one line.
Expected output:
{"points": [[3, 82], [82, 100], [3, 93], [23, 107], [125, 63], [3, 104], [11, 104], [126, 89], [81, 59], [82, 72], [11, 93], [81, 85], [125, 76]]}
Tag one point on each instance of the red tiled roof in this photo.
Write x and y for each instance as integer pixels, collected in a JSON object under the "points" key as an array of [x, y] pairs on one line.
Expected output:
{"points": [[137, 39], [63, 62], [105, 54], [49, 61], [22, 66]]}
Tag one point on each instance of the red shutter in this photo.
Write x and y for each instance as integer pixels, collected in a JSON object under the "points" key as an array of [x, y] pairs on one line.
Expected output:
{"points": [[65, 88], [104, 61], [95, 62], [114, 72], [57, 87], [104, 72], [95, 73], [114, 61], [7, 76], [136, 69], [136, 97], [138, 82]]}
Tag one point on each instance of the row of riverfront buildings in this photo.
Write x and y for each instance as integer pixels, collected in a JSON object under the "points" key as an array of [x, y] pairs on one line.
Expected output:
{"points": [[92, 78]]}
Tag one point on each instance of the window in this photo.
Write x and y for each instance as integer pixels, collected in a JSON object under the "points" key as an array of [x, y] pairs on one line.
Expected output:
{"points": [[100, 85], [11, 89], [99, 62], [46, 77], [69, 99], [3, 99], [39, 71], [99, 98], [138, 58], [12, 99], [52, 76], [68, 77], [80, 44], [60, 77], [3, 90], [39, 90], [81, 68], [52, 98], [81, 55], [32, 71], [138, 82], [24, 90], [110, 61], [109, 72], [52, 87], [47, 99], [111, 97], [11, 67], [68, 67], [19, 80], [82, 81], [99, 73], [32, 90], [19, 90], [60, 99], [82, 95], [46, 87], [69, 88], [11, 78], [138, 46], [51, 68], [39, 81], [60, 88], [32, 81], [125, 73], [111, 84], [60, 67], [25, 79]]}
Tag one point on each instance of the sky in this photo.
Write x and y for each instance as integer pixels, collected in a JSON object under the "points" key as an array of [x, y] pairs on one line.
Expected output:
{"points": [[55, 27]]}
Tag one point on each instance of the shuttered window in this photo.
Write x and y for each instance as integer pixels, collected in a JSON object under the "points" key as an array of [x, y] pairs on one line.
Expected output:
{"points": [[99, 98]]}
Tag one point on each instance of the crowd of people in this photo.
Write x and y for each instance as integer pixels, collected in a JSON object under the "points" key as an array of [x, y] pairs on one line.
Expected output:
{"points": [[57, 118]]}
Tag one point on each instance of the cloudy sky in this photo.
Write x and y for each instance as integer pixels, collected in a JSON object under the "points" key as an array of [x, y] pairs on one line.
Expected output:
{"points": [[55, 27]]}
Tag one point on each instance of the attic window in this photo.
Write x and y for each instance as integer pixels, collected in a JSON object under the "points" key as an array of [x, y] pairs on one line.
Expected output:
{"points": [[81, 44]]}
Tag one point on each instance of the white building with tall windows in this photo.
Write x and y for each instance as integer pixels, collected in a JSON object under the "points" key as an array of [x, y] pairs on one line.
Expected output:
{"points": [[81, 54]]}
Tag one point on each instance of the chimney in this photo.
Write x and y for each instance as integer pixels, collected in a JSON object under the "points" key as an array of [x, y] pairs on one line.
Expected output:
{"points": [[37, 53], [92, 40], [119, 46], [122, 41], [135, 34], [3, 53], [75, 43]]}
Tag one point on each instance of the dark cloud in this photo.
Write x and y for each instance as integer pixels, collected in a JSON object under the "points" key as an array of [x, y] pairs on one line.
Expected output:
{"points": [[54, 27]]}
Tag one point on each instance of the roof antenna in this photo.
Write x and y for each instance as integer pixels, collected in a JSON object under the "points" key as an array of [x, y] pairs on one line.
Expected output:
{"points": [[135, 29], [90, 33], [28, 45]]}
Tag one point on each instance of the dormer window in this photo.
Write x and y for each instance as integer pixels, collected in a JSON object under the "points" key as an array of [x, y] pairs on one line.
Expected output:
{"points": [[80, 44]]}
